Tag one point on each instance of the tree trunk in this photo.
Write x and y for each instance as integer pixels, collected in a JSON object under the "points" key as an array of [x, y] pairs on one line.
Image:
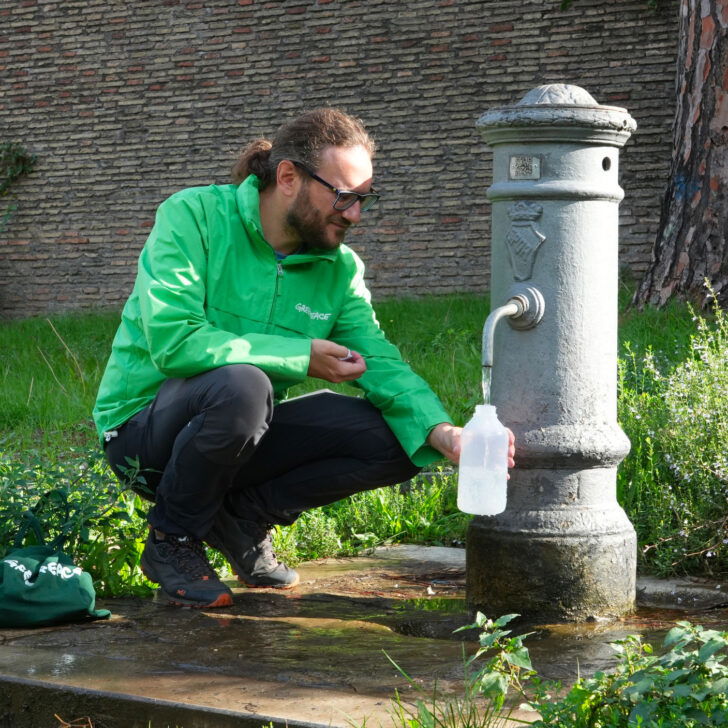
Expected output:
{"points": [[691, 239]]}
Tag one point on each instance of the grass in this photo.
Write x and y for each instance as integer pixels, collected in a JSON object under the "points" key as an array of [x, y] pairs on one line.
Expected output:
{"points": [[50, 368], [423, 511], [49, 373], [667, 330]]}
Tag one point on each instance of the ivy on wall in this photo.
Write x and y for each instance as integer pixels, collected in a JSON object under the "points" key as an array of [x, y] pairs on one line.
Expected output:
{"points": [[15, 162]]}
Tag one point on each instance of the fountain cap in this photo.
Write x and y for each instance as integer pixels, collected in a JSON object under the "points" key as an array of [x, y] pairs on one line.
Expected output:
{"points": [[558, 94], [557, 112]]}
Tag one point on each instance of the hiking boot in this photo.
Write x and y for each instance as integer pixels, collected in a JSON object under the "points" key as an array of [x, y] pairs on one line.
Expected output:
{"points": [[247, 546], [180, 566]]}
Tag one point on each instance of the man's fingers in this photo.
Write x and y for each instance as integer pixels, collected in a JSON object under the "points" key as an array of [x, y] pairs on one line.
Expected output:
{"points": [[511, 448], [334, 363]]}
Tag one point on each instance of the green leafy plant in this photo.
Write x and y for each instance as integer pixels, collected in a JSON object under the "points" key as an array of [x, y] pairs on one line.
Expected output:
{"points": [[313, 536], [674, 483], [486, 686], [509, 664], [685, 686], [423, 511], [74, 505], [15, 161]]}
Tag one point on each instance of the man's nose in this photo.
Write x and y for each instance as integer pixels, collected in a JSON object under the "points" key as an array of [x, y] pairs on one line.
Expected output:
{"points": [[353, 213]]}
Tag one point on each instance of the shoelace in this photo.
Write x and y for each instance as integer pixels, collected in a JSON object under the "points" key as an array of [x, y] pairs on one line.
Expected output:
{"points": [[190, 556], [265, 545]]}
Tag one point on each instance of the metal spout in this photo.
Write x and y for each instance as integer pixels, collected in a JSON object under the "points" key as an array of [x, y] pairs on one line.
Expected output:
{"points": [[524, 309], [513, 308]]}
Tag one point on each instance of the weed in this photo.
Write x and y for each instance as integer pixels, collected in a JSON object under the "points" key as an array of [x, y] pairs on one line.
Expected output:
{"points": [[482, 703], [15, 162], [687, 686], [422, 511], [674, 483], [73, 504], [313, 536]]}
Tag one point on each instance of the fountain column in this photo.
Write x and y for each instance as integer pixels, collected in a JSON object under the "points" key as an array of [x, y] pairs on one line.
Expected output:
{"points": [[563, 550]]}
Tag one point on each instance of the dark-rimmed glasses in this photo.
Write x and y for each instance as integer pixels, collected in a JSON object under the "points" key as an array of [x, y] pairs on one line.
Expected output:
{"points": [[344, 198]]}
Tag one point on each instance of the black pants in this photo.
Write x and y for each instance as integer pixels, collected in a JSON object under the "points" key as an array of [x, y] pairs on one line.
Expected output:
{"points": [[216, 440]]}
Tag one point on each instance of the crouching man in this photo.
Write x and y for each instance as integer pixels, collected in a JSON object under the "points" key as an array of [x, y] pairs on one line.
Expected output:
{"points": [[242, 291]]}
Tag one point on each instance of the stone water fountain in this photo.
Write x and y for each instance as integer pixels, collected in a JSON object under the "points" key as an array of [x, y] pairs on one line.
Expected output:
{"points": [[563, 550]]}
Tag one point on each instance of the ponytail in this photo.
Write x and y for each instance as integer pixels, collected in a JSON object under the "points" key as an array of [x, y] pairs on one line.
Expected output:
{"points": [[254, 159]]}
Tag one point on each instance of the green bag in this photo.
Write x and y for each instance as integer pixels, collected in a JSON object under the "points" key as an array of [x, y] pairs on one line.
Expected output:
{"points": [[41, 586]]}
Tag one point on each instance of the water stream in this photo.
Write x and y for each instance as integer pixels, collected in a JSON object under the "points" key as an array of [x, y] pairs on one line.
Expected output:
{"points": [[487, 372]]}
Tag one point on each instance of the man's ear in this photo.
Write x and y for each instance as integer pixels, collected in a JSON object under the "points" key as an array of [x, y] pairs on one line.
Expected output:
{"points": [[288, 180]]}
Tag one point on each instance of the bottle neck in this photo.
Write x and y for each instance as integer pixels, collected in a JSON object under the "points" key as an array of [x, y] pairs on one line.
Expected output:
{"points": [[485, 410]]}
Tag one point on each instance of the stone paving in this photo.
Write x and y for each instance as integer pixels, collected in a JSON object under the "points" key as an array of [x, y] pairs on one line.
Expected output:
{"points": [[316, 655]]}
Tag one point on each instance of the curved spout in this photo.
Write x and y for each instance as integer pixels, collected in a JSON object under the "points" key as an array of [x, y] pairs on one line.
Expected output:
{"points": [[513, 308]]}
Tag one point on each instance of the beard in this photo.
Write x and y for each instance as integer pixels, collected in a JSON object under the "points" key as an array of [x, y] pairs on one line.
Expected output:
{"points": [[311, 227]]}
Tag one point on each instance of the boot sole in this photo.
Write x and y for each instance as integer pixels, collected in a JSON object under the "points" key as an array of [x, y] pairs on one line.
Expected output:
{"points": [[224, 600]]}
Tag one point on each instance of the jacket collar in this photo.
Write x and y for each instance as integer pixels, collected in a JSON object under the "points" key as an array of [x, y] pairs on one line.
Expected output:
{"points": [[248, 201]]}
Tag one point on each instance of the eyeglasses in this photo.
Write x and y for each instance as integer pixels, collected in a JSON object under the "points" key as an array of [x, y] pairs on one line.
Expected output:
{"points": [[344, 198]]}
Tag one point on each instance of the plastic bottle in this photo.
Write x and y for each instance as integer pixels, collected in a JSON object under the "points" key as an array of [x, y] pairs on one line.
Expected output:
{"points": [[483, 476]]}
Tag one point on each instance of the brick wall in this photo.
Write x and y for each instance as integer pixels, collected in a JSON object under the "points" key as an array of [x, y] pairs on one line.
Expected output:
{"points": [[126, 102]]}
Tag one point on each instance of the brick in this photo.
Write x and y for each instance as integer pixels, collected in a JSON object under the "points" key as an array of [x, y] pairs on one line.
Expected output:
{"points": [[115, 113]]}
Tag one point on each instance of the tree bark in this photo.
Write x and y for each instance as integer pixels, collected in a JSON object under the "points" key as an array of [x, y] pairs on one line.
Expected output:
{"points": [[691, 238]]}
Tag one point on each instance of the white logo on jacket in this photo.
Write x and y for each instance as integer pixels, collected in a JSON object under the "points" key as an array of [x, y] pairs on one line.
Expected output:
{"points": [[314, 315]]}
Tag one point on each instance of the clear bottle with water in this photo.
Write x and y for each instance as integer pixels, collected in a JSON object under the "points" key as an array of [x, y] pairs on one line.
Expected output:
{"points": [[483, 476]]}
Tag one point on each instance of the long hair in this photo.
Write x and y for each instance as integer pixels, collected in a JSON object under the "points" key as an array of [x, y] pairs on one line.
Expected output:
{"points": [[302, 139]]}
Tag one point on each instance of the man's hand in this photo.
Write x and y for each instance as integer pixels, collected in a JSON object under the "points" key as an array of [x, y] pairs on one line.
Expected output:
{"points": [[445, 438], [511, 449], [334, 363]]}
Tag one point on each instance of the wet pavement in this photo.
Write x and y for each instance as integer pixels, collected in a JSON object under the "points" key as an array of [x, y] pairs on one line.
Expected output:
{"points": [[316, 655]]}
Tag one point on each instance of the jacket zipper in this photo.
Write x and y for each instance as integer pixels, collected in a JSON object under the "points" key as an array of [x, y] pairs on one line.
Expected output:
{"points": [[276, 293]]}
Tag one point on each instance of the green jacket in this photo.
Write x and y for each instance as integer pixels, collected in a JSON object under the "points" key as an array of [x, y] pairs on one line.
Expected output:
{"points": [[209, 292]]}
